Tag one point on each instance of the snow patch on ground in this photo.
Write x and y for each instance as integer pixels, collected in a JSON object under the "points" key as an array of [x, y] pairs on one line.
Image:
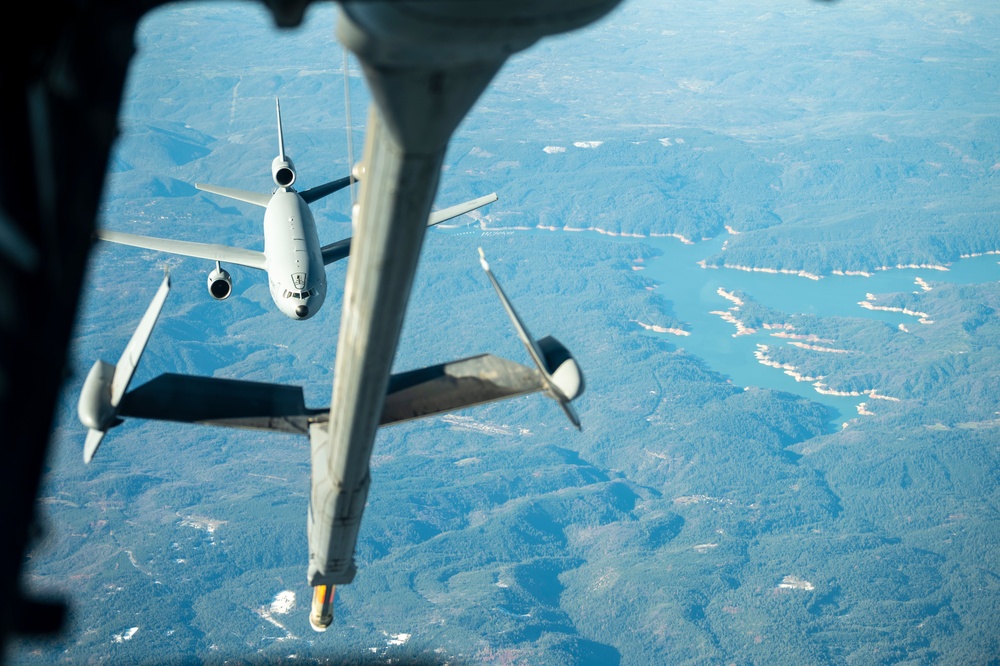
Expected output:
{"points": [[283, 602], [554, 149], [468, 423], [587, 144], [125, 635], [202, 523], [694, 85], [795, 583]]}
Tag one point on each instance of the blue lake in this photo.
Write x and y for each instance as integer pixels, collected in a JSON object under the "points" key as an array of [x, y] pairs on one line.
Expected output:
{"points": [[694, 293]]}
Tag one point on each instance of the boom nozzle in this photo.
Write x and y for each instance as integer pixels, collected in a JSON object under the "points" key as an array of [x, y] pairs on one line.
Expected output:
{"points": [[321, 615]]}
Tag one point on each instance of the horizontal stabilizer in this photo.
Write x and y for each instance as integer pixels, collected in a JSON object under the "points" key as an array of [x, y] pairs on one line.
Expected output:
{"points": [[439, 216], [212, 252], [280, 407], [255, 198], [222, 402], [342, 248], [326, 189], [452, 386], [437, 389]]}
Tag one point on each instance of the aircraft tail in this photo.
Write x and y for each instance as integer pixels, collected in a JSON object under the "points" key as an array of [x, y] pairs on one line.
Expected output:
{"points": [[560, 372], [282, 169], [106, 384], [281, 138], [282, 172], [105, 399]]}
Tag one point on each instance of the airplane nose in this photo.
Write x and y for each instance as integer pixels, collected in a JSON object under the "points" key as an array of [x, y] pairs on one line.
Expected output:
{"points": [[302, 312]]}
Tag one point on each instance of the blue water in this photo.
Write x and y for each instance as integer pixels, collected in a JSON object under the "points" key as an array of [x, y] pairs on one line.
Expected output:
{"points": [[693, 293]]}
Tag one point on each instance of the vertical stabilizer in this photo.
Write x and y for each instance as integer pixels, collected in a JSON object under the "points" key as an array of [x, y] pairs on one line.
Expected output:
{"points": [[282, 169], [129, 361], [106, 384], [559, 370], [281, 139]]}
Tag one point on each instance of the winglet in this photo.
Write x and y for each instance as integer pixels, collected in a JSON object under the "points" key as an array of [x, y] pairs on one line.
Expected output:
{"points": [[559, 370], [106, 384]]}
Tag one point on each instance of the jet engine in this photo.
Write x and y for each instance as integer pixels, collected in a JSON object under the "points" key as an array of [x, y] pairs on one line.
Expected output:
{"points": [[220, 283], [283, 171]]}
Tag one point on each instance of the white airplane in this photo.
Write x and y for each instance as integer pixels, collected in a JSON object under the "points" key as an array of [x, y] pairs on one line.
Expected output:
{"points": [[293, 257]]}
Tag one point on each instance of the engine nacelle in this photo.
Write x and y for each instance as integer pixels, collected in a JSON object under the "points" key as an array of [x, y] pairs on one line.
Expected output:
{"points": [[283, 171], [220, 284]]}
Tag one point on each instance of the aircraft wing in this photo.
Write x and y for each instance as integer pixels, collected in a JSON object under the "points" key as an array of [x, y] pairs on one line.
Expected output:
{"points": [[326, 189], [339, 250], [336, 251], [220, 402], [452, 386], [255, 198], [212, 252]]}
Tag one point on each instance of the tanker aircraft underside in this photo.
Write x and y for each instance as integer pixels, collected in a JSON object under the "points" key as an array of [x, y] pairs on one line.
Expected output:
{"points": [[105, 400]]}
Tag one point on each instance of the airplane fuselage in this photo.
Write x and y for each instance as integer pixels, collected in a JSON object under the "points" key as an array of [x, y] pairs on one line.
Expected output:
{"points": [[296, 275]]}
